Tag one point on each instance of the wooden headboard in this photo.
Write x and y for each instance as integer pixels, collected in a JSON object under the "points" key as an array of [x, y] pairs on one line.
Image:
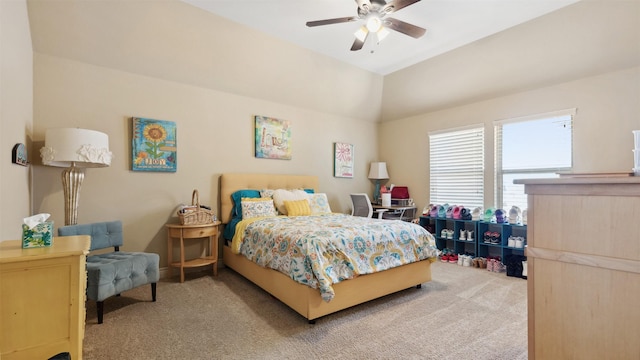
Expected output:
{"points": [[232, 182]]}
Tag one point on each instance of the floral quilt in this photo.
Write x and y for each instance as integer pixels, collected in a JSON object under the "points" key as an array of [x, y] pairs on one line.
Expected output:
{"points": [[322, 250]]}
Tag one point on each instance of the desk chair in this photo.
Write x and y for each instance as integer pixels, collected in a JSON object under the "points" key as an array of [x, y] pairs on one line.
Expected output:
{"points": [[361, 206]]}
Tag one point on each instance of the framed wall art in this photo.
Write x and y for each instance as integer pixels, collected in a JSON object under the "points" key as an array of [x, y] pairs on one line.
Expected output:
{"points": [[273, 138], [154, 145], [343, 160]]}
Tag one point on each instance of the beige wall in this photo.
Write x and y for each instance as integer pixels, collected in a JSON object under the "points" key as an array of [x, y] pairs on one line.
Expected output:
{"points": [[215, 135], [16, 115], [171, 61], [607, 110]]}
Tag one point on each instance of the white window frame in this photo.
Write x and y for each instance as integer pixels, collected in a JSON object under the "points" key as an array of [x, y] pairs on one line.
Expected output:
{"points": [[530, 172], [456, 166]]}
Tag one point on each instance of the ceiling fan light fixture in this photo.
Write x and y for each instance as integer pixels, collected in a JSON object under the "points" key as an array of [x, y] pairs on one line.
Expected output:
{"points": [[361, 34], [381, 34], [374, 24]]}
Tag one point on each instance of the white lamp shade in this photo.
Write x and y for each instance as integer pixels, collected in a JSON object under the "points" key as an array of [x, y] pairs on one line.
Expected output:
{"points": [[378, 171], [84, 148]]}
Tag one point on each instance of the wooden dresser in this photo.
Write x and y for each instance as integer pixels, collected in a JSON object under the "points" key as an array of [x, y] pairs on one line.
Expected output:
{"points": [[42, 297], [583, 268]]}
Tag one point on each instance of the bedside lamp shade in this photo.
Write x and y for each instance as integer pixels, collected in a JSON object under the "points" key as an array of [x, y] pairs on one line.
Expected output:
{"points": [[74, 149], [377, 172]]}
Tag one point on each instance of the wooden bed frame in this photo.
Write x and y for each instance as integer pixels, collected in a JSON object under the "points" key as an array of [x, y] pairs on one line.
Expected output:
{"points": [[301, 298]]}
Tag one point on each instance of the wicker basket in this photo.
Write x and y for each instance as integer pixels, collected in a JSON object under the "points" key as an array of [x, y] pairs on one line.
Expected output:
{"points": [[195, 215]]}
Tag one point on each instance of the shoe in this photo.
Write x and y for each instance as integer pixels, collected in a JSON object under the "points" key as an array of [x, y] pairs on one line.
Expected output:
{"points": [[487, 237], [524, 269], [433, 212], [467, 261], [456, 212], [519, 242], [511, 242], [515, 216], [443, 233], [501, 216], [469, 235], [449, 212], [461, 259], [489, 215], [453, 259], [465, 214], [442, 210], [495, 238], [463, 235], [476, 214], [490, 263], [444, 257], [524, 217], [482, 263]]}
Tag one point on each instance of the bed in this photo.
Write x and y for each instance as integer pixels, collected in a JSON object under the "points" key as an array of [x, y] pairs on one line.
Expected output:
{"points": [[306, 300]]}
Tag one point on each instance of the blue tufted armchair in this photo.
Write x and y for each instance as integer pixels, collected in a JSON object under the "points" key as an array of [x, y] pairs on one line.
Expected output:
{"points": [[112, 273]]}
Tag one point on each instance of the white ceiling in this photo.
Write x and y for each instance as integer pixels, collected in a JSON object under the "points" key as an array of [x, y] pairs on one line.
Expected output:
{"points": [[449, 23]]}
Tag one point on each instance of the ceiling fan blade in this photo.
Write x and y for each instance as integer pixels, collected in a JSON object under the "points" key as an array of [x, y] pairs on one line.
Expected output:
{"points": [[358, 44], [405, 28], [396, 5], [331, 21]]}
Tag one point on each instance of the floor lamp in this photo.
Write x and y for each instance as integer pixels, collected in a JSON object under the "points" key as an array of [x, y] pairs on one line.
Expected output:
{"points": [[377, 172], [74, 149]]}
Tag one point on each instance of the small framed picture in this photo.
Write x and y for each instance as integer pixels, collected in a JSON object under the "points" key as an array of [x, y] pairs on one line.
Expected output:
{"points": [[343, 160]]}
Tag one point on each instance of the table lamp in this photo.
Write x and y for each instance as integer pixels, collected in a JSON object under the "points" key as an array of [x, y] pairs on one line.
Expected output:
{"points": [[377, 172], [74, 149]]}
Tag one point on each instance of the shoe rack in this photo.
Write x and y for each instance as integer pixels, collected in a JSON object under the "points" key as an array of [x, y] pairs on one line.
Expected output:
{"points": [[477, 246], [502, 248], [460, 246]]}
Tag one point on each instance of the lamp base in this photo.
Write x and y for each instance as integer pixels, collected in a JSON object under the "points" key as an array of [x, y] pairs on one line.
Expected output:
{"points": [[72, 178], [376, 193]]}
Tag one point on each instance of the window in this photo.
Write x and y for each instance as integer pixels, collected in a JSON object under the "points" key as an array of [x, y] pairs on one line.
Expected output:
{"points": [[457, 167], [536, 146]]}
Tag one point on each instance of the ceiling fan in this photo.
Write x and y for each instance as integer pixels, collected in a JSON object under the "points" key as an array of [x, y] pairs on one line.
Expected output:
{"points": [[374, 13]]}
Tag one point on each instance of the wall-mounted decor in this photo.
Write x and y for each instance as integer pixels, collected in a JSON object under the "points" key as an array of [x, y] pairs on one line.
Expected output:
{"points": [[343, 160], [154, 145], [273, 138], [19, 155]]}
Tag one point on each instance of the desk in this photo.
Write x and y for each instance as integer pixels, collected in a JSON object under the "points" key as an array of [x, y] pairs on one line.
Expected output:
{"points": [[406, 213], [42, 297], [182, 232]]}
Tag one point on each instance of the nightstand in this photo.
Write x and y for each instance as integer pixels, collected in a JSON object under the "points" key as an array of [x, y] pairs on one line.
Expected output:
{"points": [[191, 232]]}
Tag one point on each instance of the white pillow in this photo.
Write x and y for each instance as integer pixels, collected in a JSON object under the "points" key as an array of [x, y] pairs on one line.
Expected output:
{"points": [[319, 203], [282, 195]]}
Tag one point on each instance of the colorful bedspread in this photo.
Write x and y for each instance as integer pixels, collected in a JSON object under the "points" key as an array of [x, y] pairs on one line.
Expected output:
{"points": [[322, 250]]}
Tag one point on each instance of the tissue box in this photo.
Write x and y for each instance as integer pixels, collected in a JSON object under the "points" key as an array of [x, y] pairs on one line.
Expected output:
{"points": [[39, 236]]}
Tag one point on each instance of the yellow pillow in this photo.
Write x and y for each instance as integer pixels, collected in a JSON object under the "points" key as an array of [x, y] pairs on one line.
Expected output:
{"points": [[297, 207]]}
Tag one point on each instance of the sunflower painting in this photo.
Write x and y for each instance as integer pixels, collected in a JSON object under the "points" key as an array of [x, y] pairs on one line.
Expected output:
{"points": [[154, 146]]}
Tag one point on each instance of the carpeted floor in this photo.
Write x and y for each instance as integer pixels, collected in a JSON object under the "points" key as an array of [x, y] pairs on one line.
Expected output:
{"points": [[463, 313]]}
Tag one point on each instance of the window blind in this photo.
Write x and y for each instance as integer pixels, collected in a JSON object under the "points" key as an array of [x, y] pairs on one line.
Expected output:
{"points": [[457, 167]]}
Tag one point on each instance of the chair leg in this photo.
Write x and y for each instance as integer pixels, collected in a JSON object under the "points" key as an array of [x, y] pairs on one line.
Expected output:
{"points": [[153, 291], [100, 308]]}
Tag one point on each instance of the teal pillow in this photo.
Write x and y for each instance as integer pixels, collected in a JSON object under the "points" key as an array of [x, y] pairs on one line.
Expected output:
{"points": [[309, 191]]}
